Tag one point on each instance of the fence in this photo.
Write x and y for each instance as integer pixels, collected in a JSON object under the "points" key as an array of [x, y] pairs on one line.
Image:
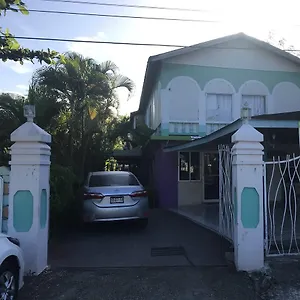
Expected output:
{"points": [[4, 191], [226, 209], [281, 206]]}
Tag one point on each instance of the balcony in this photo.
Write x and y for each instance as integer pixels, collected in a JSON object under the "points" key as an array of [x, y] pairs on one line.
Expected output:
{"points": [[184, 128], [214, 126]]}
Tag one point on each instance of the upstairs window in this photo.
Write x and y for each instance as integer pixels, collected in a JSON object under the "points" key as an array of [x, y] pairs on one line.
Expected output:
{"points": [[219, 108], [257, 104]]}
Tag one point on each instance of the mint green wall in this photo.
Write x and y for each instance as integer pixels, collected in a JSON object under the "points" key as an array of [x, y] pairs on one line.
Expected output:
{"points": [[235, 76]]}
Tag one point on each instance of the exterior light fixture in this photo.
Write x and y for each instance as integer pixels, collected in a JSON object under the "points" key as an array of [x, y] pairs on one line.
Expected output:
{"points": [[246, 113], [29, 112]]}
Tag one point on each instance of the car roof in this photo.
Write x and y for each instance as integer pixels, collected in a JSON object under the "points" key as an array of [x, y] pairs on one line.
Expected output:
{"points": [[109, 172]]}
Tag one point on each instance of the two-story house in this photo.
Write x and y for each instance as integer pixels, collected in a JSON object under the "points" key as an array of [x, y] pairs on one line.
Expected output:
{"points": [[193, 98]]}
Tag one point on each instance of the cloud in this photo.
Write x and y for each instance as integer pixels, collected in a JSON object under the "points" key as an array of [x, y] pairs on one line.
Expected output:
{"points": [[27, 67], [85, 48], [22, 87]]}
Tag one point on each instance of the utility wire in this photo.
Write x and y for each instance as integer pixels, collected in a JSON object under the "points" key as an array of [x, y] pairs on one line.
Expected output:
{"points": [[95, 42], [122, 16], [131, 43], [128, 5]]}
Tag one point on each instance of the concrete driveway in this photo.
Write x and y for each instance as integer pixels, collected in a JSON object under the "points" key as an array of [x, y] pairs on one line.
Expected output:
{"points": [[169, 240], [118, 262]]}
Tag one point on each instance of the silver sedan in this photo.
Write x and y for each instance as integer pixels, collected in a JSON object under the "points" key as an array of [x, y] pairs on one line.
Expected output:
{"points": [[114, 196]]}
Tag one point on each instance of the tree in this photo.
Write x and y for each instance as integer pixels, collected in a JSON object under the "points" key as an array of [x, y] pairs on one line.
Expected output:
{"points": [[281, 43], [10, 48], [88, 93]]}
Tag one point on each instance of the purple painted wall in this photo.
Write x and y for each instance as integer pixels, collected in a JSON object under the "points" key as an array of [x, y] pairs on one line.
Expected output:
{"points": [[165, 177]]}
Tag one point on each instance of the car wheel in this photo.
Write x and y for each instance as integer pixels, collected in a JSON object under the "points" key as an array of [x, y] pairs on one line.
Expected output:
{"points": [[8, 281], [143, 223]]}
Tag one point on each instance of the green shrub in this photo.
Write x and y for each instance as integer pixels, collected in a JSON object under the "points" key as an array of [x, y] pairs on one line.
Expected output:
{"points": [[64, 204]]}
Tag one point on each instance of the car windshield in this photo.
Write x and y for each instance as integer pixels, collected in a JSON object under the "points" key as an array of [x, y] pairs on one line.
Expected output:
{"points": [[112, 180]]}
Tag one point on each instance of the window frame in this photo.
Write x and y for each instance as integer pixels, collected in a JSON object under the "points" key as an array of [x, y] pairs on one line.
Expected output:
{"points": [[264, 102], [189, 167], [231, 108]]}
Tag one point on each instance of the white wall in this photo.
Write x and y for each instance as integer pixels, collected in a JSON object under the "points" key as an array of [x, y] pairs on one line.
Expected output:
{"points": [[183, 100], [153, 112], [183, 95], [186, 102], [230, 55], [286, 98], [190, 192]]}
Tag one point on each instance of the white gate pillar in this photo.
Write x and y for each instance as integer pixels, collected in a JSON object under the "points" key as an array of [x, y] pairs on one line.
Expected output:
{"points": [[247, 193], [29, 193]]}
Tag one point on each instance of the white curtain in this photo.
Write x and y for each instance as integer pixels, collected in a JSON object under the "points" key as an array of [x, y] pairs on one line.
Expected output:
{"points": [[219, 108], [257, 104]]}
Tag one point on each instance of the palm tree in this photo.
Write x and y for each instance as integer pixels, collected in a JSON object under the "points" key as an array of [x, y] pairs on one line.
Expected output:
{"points": [[88, 91], [11, 117]]}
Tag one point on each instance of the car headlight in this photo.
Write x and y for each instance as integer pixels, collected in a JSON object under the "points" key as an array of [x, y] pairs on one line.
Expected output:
{"points": [[14, 241]]}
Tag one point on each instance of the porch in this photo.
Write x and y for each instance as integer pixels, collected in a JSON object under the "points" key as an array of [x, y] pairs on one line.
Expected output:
{"points": [[282, 192], [203, 214]]}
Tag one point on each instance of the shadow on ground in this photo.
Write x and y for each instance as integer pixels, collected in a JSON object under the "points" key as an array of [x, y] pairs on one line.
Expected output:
{"points": [[127, 245], [178, 283], [116, 261]]}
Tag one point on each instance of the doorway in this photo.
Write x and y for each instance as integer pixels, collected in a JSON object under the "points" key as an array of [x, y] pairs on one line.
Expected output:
{"points": [[211, 177]]}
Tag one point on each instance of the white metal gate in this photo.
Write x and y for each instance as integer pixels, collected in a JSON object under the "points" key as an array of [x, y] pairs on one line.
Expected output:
{"points": [[281, 206], [226, 209]]}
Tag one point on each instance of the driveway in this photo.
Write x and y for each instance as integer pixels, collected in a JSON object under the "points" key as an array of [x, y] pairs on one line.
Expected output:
{"points": [[169, 240], [120, 261]]}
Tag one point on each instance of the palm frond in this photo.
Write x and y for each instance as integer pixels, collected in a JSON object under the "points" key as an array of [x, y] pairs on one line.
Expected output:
{"points": [[107, 67]]}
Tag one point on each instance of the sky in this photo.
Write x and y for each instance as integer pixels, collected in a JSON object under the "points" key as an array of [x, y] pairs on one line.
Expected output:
{"points": [[256, 18]]}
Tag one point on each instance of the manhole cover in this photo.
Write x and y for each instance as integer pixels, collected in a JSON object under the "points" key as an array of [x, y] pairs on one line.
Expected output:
{"points": [[167, 251]]}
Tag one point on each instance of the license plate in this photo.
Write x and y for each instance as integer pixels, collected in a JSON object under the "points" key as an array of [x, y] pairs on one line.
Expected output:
{"points": [[114, 200]]}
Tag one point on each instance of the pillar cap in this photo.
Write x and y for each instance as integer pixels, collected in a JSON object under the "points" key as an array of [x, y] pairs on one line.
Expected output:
{"points": [[247, 133], [30, 132]]}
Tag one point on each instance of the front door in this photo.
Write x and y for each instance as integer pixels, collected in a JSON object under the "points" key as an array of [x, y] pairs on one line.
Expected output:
{"points": [[211, 176]]}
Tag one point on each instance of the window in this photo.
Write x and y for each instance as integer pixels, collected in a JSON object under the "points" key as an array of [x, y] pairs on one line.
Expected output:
{"points": [[112, 179], [219, 108], [257, 104], [189, 166]]}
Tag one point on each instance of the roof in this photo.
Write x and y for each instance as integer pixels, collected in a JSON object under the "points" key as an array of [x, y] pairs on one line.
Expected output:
{"points": [[135, 152], [154, 62]]}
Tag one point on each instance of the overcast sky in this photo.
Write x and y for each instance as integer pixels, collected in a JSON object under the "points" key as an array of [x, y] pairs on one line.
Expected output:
{"points": [[256, 18]]}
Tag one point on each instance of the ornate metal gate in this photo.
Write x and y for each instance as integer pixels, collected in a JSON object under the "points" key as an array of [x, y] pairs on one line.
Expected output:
{"points": [[281, 206], [226, 212]]}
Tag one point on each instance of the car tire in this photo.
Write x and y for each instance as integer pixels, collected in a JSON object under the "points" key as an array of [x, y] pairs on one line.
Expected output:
{"points": [[143, 223], [9, 271]]}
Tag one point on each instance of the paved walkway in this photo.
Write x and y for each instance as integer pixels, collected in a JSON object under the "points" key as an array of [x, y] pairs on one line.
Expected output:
{"points": [[124, 245]]}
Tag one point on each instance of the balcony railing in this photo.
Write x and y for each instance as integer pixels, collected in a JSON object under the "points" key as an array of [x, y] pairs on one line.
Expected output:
{"points": [[214, 126], [184, 128]]}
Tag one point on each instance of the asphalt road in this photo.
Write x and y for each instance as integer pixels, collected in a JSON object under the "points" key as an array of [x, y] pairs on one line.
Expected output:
{"points": [[126, 245]]}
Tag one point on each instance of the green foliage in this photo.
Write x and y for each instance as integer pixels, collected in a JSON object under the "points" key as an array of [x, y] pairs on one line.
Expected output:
{"points": [[111, 164], [63, 188], [74, 100], [87, 93], [135, 137], [10, 49]]}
